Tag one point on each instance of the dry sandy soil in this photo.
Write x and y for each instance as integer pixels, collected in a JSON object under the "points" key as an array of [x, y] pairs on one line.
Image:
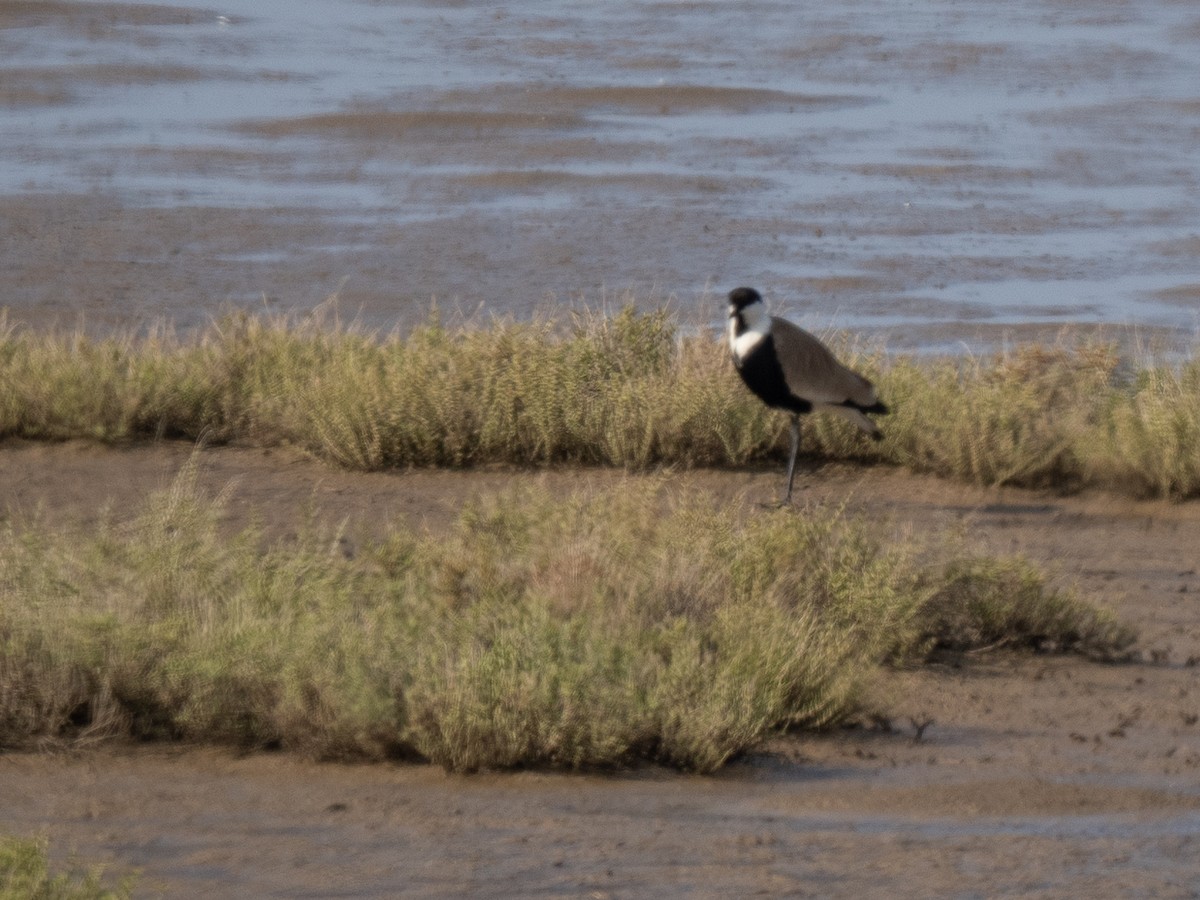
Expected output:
{"points": [[1039, 775]]}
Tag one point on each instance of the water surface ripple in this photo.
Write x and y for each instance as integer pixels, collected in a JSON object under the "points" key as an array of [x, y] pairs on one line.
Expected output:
{"points": [[938, 170]]}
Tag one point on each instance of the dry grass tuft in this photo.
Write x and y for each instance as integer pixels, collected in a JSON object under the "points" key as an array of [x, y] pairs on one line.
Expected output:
{"points": [[570, 632], [623, 390], [25, 873]]}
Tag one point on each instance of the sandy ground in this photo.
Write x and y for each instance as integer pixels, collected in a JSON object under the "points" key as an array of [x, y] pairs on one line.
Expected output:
{"points": [[1043, 775]]}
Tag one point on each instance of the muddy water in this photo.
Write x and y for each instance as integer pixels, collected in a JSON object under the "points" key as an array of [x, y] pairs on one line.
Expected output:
{"points": [[935, 170]]}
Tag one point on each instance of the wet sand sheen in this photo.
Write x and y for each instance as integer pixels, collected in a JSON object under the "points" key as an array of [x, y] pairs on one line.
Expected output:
{"points": [[939, 179]]}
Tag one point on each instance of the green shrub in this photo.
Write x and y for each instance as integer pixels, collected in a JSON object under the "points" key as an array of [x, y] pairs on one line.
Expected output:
{"points": [[25, 875]]}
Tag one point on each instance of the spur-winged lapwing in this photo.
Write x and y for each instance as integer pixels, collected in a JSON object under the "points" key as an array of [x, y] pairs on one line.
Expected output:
{"points": [[790, 369]]}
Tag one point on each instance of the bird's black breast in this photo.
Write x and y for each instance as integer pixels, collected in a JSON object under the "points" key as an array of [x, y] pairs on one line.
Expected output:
{"points": [[761, 371]]}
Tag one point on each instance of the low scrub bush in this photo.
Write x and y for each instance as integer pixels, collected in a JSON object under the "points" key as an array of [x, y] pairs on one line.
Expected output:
{"points": [[591, 630], [981, 602], [623, 390], [25, 874]]}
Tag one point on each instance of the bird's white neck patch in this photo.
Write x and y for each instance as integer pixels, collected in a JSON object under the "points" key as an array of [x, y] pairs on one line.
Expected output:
{"points": [[757, 326]]}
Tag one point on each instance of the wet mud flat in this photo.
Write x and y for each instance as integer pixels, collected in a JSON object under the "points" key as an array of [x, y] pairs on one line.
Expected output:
{"points": [[1043, 774], [205, 824], [935, 176]]}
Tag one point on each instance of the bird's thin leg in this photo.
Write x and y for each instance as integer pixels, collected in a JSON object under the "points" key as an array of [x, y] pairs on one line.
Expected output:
{"points": [[792, 461]]}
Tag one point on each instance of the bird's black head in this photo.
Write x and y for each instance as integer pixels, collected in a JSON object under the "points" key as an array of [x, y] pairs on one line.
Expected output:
{"points": [[740, 298]]}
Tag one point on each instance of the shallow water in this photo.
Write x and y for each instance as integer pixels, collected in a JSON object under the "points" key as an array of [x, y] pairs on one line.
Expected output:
{"points": [[937, 171]]}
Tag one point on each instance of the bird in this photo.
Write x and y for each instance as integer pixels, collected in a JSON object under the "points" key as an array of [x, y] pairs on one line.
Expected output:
{"points": [[789, 369]]}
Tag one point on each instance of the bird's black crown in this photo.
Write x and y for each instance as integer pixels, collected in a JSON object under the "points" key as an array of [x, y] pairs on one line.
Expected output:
{"points": [[740, 298]]}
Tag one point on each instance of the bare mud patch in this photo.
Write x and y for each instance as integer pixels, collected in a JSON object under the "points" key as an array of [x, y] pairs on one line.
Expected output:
{"points": [[386, 125], [1185, 247], [458, 114], [961, 172], [539, 180], [1011, 797], [82, 253], [26, 13], [1184, 295], [664, 99], [57, 86]]}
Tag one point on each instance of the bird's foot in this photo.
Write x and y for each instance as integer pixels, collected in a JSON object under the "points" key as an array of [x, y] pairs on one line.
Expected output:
{"points": [[782, 503]]}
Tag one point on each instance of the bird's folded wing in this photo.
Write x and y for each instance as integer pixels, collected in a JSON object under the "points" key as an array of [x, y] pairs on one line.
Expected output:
{"points": [[812, 371]]}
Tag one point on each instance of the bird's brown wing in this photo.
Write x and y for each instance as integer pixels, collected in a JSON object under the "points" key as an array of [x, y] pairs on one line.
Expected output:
{"points": [[813, 372]]}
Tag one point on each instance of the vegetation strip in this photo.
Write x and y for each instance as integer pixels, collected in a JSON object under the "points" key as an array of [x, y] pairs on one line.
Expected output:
{"points": [[635, 623], [25, 873], [624, 390]]}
